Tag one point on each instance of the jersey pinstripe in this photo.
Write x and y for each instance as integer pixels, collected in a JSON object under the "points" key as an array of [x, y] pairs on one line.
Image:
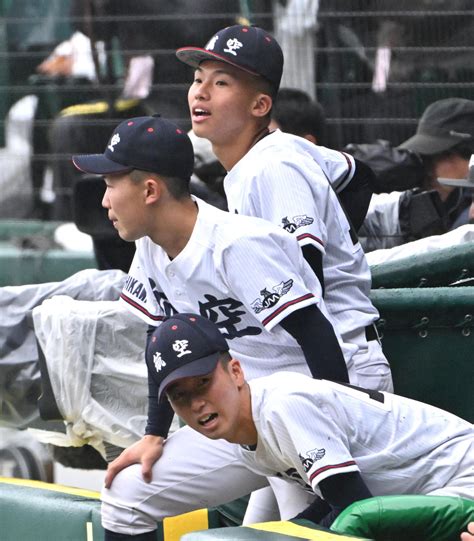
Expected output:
{"points": [[284, 179], [311, 429], [241, 272]]}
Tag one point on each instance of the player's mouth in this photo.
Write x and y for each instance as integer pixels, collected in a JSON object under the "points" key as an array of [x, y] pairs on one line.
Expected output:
{"points": [[207, 420], [199, 114], [113, 220]]}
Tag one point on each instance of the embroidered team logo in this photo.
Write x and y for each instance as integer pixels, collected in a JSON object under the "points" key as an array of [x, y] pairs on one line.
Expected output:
{"points": [[115, 139], [271, 298], [212, 43], [296, 222], [311, 457], [158, 361], [181, 347], [232, 45]]}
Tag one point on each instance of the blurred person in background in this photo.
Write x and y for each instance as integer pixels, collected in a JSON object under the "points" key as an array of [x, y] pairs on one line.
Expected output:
{"points": [[442, 147], [296, 112]]}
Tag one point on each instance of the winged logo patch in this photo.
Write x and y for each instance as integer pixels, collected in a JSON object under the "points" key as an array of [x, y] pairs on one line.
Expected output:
{"points": [[270, 298], [311, 457], [292, 224]]}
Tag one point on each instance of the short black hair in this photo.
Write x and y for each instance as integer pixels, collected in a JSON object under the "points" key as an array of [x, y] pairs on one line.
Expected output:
{"points": [[177, 187], [297, 113]]}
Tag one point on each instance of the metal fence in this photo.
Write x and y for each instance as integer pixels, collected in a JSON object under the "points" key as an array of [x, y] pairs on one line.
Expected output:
{"points": [[374, 65]]}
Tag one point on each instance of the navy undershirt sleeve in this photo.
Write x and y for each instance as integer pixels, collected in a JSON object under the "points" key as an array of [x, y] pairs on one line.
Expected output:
{"points": [[339, 491], [315, 259], [160, 414], [316, 337]]}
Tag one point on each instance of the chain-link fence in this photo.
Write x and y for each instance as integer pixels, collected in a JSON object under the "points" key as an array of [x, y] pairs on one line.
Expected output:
{"points": [[374, 65]]}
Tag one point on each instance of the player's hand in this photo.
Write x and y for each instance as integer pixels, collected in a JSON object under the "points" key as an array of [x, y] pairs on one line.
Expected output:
{"points": [[145, 452], [469, 535]]}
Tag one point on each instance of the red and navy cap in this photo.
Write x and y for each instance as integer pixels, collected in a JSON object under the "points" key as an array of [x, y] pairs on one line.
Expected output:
{"points": [[249, 48], [148, 143], [183, 345]]}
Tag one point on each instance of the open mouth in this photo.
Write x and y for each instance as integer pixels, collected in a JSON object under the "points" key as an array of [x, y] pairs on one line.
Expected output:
{"points": [[206, 420], [198, 112]]}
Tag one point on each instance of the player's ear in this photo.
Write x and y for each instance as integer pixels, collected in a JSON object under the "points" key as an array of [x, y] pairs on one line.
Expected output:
{"points": [[153, 189], [236, 372], [262, 105]]}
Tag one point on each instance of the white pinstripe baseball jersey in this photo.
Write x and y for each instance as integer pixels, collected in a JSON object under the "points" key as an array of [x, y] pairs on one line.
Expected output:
{"points": [[309, 430], [241, 272], [284, 179]]}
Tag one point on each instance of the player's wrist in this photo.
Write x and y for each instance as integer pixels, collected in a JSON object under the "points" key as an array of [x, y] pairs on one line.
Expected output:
{"points": [[153, 439]]}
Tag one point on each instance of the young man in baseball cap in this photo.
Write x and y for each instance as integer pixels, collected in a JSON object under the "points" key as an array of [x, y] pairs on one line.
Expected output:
{"points": [[246, 274], [284, 178], [339, 443]]}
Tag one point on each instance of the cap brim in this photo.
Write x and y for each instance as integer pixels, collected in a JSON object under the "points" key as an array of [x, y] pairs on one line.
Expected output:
{"points": [[457, 182], [193, 56], [98, 164], [199, 367], [427, 144]]}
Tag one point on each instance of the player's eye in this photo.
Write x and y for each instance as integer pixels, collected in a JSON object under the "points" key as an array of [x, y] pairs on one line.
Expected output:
{"points": [[175, 396], [203, 382], [197, 80], [220, 82]]}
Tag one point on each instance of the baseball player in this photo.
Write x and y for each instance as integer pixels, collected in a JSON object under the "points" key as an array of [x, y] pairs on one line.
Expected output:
{"points": [[284, 179], [245, 274], [338, 442]]}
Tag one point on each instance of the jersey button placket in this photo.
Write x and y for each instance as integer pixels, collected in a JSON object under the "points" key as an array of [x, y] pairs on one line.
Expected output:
{"points": [[175, 280]]}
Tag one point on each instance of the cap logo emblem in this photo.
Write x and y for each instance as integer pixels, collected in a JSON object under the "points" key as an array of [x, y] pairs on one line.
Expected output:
{"points": [[233, 44], [115, 139], [158, 361], [180, 346], [212, 43]]}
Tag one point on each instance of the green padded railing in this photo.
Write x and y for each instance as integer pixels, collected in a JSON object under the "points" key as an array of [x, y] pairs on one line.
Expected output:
{"points": [[428, 338], [407, 518], [437, 268], [37, 511]]}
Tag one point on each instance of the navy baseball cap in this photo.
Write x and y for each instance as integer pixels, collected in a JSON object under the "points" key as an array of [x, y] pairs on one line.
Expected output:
{"points": [[249, 48], [444, 124], [183, 345], [148, 143]]}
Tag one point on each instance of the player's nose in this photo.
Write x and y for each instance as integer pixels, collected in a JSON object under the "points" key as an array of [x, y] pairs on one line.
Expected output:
{"points": [[105, 200], [202, 92], [197, 403]]}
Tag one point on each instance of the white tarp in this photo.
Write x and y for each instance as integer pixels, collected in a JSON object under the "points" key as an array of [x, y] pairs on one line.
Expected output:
{"points": [[460, 235], [94, 351], [19, 370]]}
